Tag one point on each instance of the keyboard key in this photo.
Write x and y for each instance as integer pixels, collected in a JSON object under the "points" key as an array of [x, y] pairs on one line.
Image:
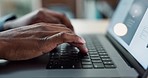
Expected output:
{"points": [[67, 66], [94, 55], [86, 63], [96, 61], [106, 59], [104, 56], [95, 58], [63, 51], [92, 50], [110, 66], [108, 63], [98, 65], [86, 60], [87, 66], [69, 57], [77, 66], [101, 51], [86, 57]]}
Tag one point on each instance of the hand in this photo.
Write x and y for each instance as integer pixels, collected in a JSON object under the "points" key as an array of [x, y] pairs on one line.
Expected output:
{"points": [[27, 42], [42, 15]]}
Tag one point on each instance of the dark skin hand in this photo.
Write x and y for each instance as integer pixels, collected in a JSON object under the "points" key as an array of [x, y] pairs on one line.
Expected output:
{"points": [[41, 15], [32, 41], [37, 33]]}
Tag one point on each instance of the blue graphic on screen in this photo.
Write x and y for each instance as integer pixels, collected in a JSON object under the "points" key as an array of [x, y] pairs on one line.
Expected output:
{"points": [[133, 19]]}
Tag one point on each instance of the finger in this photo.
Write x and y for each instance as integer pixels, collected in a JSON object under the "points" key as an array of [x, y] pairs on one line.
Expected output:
{"points": [[81, 47], [51, 19], [53, 41], [54, 27], [64, 20], [43, 34], [42, 16]]}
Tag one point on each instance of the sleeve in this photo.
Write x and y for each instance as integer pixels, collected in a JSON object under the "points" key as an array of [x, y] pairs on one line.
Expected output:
{"points": [[5, 19]]}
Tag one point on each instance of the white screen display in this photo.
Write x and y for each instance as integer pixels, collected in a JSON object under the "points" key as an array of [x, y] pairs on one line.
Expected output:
{"points": [[130, 28], [139, 43]]}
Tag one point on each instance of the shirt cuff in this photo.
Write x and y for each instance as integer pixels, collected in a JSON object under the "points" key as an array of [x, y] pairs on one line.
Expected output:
{"points": [[5, 19]]}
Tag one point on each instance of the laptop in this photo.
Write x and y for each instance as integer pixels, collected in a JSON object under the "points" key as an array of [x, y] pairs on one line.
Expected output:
{"points": [[120, 53]]}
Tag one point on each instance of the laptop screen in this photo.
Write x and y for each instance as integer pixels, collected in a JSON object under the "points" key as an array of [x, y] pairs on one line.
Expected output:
{"points": [[129, 27]]}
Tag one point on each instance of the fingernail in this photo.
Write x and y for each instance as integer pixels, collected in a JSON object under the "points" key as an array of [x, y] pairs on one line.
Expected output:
{"points": [[86, 49], [85, 52], [82, 40]]}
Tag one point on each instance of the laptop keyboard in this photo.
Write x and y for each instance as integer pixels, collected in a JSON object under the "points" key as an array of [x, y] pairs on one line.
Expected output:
{"points": [[69, 57]]}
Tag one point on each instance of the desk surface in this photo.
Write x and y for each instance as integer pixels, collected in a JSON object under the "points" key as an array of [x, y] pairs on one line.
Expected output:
{"points": [[89, 26]]}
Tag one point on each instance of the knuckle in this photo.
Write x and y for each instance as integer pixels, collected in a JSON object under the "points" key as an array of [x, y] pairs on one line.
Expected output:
{"points": [[76, 37], [56, 21], [40, 13], [64, 36], [62, 14], [64, 26]]}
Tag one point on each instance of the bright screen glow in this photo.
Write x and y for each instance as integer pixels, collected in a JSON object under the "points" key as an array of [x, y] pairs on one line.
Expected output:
{"points": [[129, 27]]}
